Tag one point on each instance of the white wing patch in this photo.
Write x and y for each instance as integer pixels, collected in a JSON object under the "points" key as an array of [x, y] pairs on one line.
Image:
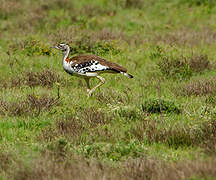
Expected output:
{"points": [[89, 67]]}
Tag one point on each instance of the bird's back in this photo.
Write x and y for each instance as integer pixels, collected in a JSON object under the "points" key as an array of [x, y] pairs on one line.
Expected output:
{"points": [[89, 60]]}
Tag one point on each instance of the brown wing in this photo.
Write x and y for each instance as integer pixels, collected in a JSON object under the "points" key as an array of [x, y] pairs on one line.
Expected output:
{"points": [[87, 58]]}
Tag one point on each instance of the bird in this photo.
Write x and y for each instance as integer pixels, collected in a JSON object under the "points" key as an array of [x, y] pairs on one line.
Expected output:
{"points": [[89, 66]]}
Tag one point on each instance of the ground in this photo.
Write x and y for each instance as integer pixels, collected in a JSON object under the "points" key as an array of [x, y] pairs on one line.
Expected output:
{"points": [[159, 125]]}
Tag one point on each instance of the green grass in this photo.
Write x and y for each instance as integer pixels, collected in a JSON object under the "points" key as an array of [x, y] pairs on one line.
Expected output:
{"points": [[120, 131]]}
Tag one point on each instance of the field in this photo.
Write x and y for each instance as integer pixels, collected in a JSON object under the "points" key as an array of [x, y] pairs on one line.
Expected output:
{"points": [[159, 125]]}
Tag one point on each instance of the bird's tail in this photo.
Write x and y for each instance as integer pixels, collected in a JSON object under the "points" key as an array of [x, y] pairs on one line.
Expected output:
{"points": [[126, 74]]}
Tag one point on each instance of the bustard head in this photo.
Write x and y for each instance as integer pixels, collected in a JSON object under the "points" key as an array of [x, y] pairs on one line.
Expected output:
{"points": [[62, 46]]}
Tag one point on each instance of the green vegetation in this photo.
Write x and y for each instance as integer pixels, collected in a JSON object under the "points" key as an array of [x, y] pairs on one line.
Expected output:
{"points": [[159, 125]]}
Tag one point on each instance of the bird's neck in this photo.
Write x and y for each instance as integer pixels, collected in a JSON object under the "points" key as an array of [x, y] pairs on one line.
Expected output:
{"points": [[65, 56]]}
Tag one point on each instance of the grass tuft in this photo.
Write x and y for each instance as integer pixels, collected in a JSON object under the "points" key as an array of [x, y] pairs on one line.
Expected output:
{"points": [[182, 67], [199, 63], [199, 87], [5, 161], [32, 105], [72, 126], [93, 117], [177, 136], [45, 78], [68, 127], [209, 137]]}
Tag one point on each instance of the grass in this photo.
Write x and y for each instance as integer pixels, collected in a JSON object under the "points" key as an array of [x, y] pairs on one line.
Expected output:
{"points": [[159, 125]]}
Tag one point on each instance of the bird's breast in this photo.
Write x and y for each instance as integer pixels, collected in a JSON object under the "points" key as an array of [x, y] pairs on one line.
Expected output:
{"points": [[67, 68], [69, 72]]}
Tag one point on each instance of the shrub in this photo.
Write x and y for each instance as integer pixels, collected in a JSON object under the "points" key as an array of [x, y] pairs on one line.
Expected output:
{"points": [[111, 151], [32, 47], [127, 113], [153, 106]]}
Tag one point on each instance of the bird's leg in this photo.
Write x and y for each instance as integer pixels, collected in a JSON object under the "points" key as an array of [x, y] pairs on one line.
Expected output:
{"points": [[102, 81], [88, 85]]}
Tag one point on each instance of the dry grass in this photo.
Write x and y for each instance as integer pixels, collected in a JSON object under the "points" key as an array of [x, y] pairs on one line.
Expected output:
{"points": [[199, 63], [13, 83], [35, 19], [188, 37], [5, 161], [143, 129], [46, 169], [3, 84], [9, 8], [72, 126], [176, 136], [109, 96], [68, 127], [199, 87], [45, 78], [209, 137], [32, 105], [183, 67], [68, 35], [145, 169], [93, 117], [37, 13], [49, 166], [82, 38], [107, 34], [41, 103]]}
